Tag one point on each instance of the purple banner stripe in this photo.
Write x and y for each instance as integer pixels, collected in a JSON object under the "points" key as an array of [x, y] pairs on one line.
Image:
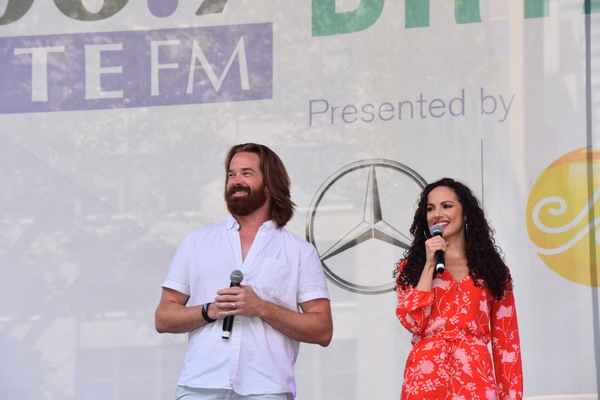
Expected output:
{"points": [[136, 68]]}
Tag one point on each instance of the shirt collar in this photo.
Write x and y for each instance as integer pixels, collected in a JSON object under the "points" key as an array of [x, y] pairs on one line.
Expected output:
{"points": [[231, 223], [268, 226]]}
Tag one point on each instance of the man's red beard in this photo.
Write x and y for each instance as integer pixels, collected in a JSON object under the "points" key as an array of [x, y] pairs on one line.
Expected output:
{"points": [[245, 205]]}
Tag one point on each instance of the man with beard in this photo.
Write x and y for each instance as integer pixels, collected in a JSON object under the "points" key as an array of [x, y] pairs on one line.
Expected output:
{"points": [[283, 299]]}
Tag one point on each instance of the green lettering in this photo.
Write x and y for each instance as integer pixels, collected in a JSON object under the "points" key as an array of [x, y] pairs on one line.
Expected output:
{"points": [[325, 20], [591, 6], [418, 12], [536, 8], [467, 11]]}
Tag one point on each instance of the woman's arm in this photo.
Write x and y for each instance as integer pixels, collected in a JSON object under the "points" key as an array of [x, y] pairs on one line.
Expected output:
{"points": [[506, 348]]}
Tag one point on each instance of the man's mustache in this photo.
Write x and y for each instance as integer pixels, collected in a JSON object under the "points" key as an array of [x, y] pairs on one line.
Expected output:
{"points": [[238, 188]]}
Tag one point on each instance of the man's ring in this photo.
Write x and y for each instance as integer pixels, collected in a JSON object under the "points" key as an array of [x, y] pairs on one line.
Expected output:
{"points": [[233, 305]]}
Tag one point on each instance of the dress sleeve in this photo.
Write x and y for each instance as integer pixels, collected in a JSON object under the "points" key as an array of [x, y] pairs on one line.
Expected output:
{"points": [[414, 309], [506, 348]]}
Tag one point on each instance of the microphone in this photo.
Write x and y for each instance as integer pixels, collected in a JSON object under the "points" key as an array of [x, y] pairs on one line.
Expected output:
{"points": [[438, 230], [236, 278]]}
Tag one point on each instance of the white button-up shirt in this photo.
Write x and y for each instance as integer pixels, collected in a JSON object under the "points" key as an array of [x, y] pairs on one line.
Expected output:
{"points": [[281, 268]]}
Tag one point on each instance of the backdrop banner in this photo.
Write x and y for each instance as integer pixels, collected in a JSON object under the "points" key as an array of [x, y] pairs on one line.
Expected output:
{"points": [[116, 116]]}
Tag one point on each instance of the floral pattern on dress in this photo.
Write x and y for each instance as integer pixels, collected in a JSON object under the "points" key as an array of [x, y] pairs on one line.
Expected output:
{"points": [[452, 326]]}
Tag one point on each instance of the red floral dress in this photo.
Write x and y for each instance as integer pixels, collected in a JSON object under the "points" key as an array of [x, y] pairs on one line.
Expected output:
{"points": [[452, 326]]}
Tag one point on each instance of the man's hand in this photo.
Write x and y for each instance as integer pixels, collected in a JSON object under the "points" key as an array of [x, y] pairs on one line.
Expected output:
{"points": [[238, 300], [313, 325]]}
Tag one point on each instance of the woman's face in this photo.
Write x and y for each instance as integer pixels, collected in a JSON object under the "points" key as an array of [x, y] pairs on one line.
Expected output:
{"points": [[444, 208]]}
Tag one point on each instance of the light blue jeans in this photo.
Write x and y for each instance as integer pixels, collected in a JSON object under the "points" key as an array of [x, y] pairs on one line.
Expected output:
{"points": [[185, 393]]}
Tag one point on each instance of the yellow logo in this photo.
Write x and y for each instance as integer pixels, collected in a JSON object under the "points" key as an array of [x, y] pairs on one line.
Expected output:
{"points": [[562, 218]]}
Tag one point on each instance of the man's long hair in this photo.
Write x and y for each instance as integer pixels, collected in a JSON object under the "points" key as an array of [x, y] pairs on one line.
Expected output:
{"points": [[275, 178], [484, 258]]}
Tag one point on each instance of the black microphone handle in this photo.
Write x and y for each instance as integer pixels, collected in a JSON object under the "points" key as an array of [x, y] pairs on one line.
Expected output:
{"points": [[439, 261], [228, 321]]}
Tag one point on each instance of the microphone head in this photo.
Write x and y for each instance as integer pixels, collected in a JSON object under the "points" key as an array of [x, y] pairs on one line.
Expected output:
{"points": [[236, 276], [436, 230]]}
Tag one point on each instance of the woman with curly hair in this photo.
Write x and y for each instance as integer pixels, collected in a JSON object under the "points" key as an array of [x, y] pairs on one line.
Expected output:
{"points": [[454, 314]]}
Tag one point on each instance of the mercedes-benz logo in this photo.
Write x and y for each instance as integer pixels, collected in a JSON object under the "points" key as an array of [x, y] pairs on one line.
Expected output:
{"points": [[365, 200]]}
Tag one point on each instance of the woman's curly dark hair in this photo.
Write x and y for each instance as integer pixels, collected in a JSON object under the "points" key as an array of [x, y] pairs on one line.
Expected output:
{"points": [[484, 258]]}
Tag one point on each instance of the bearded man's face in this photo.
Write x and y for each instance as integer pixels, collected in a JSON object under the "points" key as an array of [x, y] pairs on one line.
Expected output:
{"points": [[242, 200], [245, 187]]}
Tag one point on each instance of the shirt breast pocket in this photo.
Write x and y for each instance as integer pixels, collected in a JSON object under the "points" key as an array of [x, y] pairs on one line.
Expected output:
{"points": [[277, 283]]}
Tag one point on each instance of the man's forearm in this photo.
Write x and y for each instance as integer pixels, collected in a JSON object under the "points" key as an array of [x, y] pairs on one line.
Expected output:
{"points": [[312, 326]]}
